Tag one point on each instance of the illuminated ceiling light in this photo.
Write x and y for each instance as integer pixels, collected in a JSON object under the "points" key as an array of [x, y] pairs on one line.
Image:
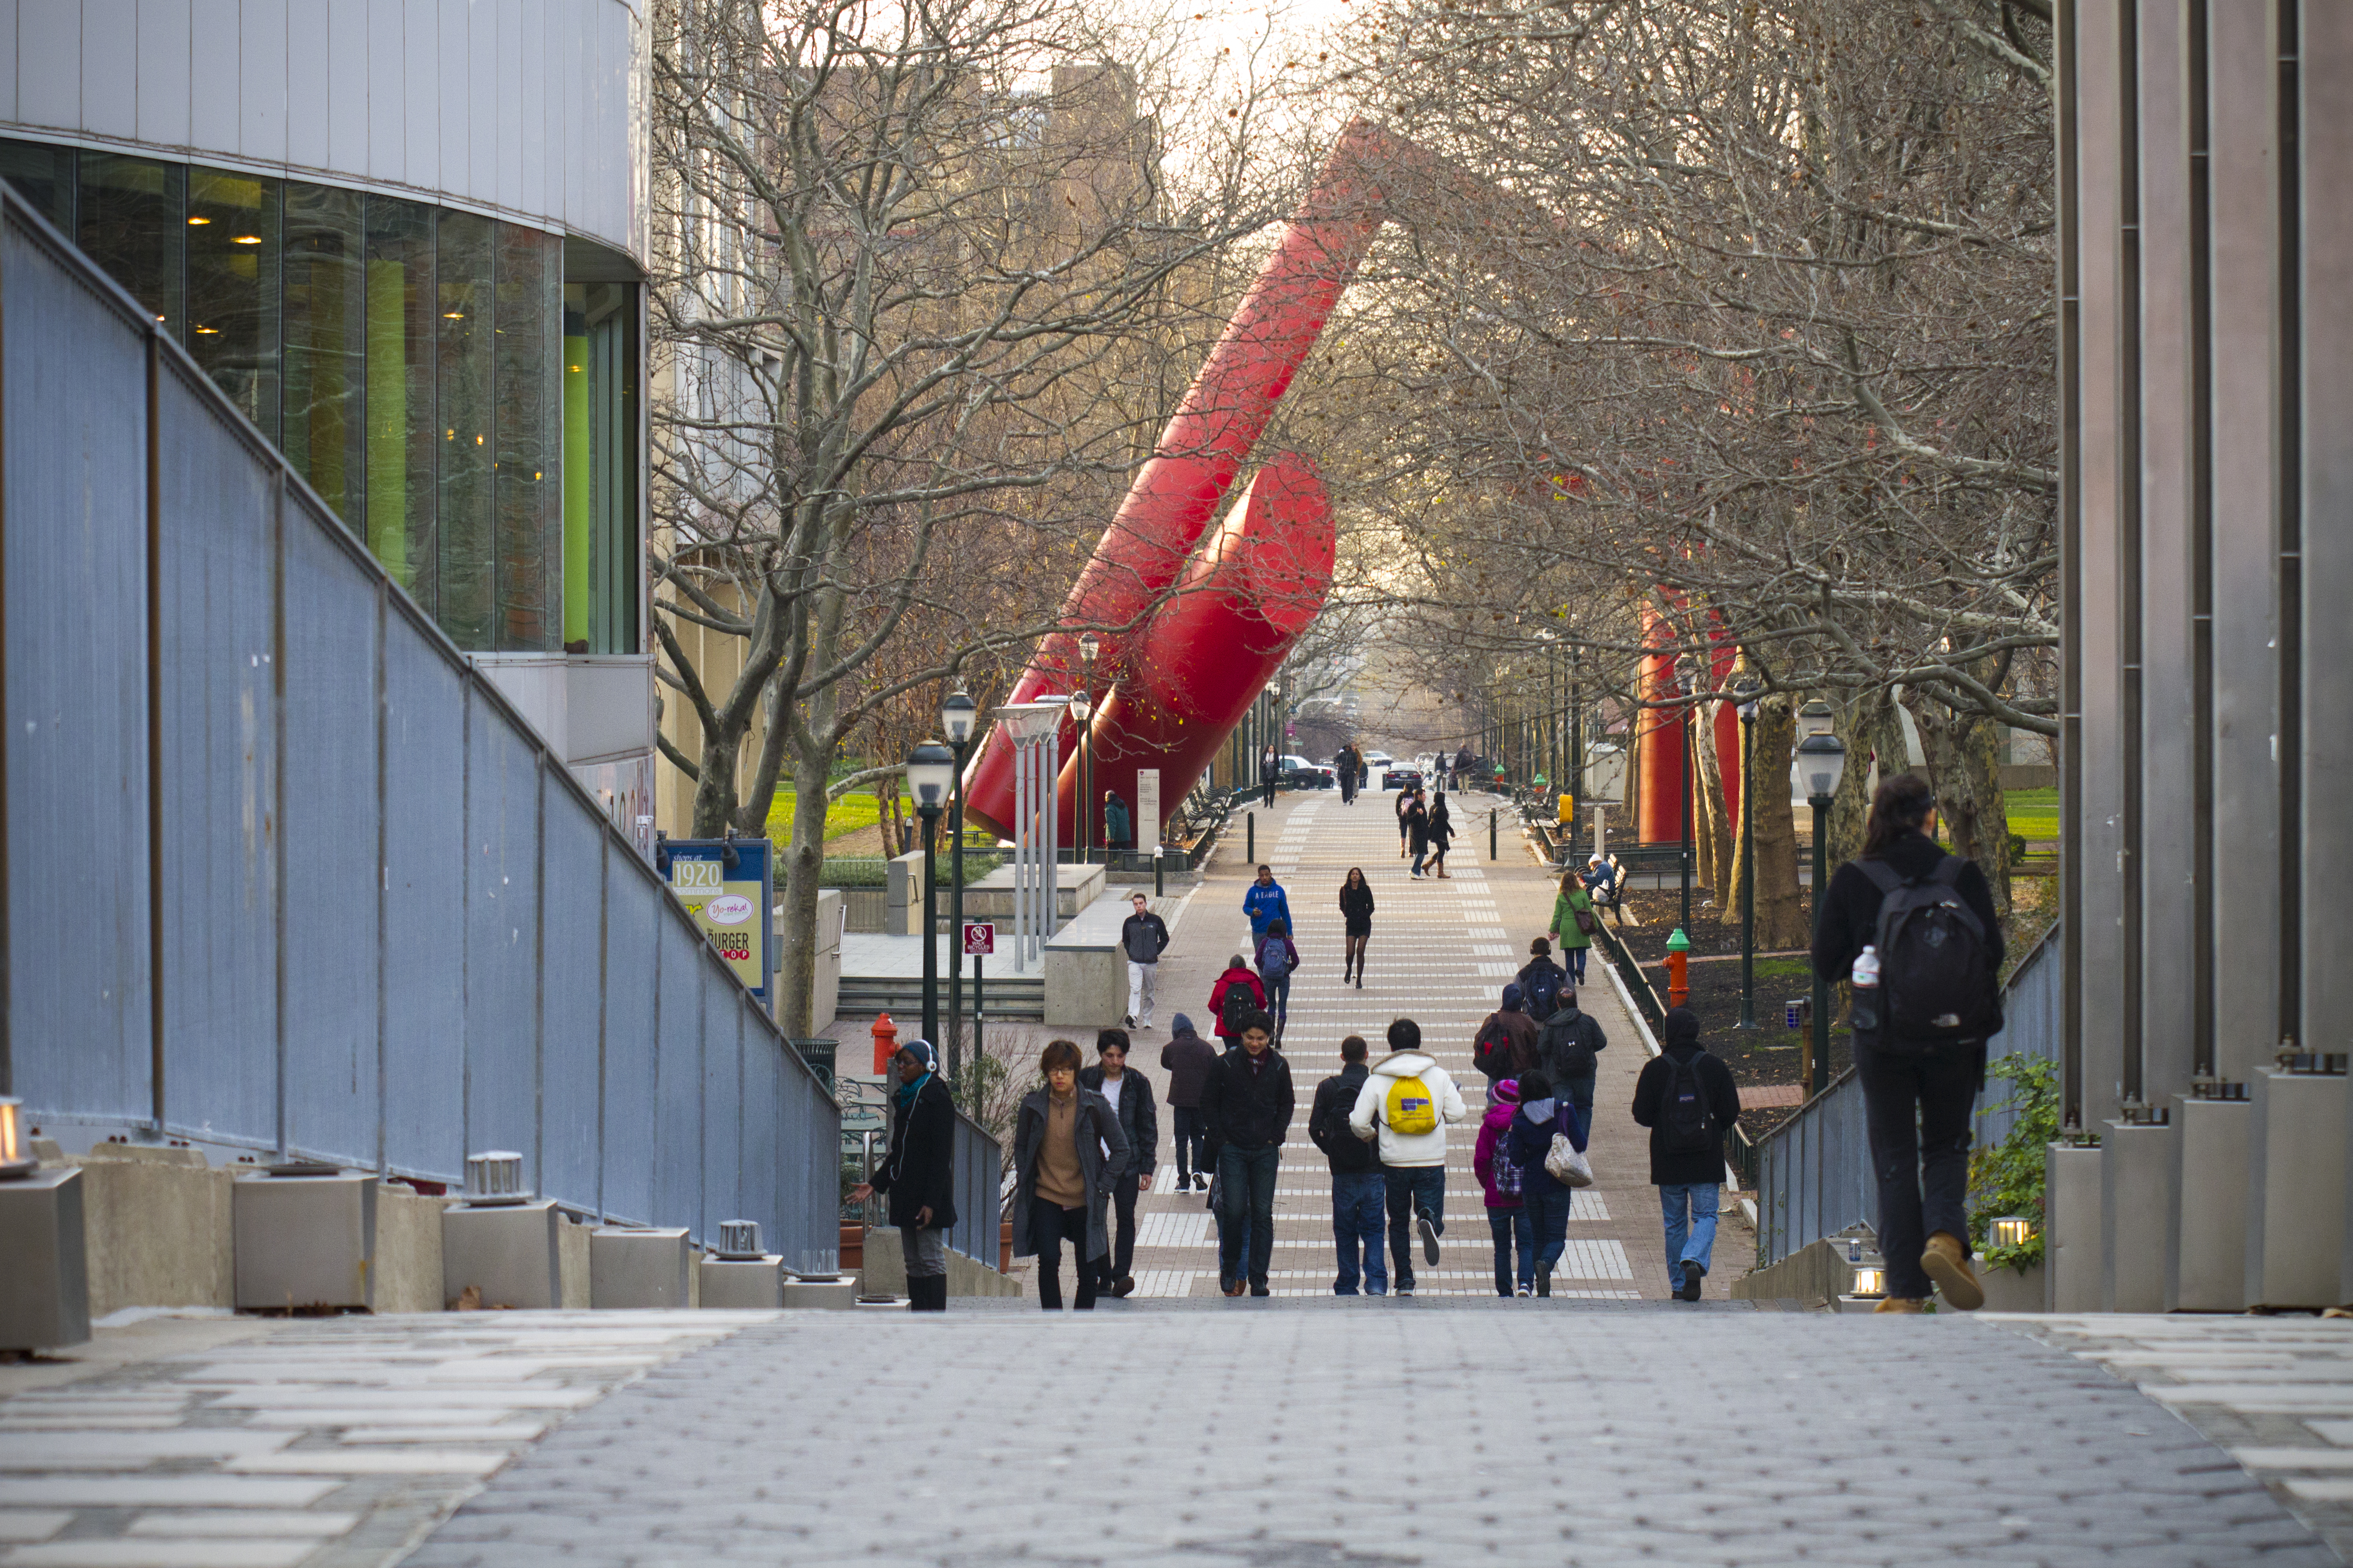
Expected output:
{"points": [[453, 315], [199, 222], [207, 331], [245, 239], [478, 440]]}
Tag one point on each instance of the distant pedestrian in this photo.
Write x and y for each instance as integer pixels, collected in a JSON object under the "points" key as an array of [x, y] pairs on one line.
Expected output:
{"points": [[1929, 916], [1688, 1098], [1405, 828], [1499, 1177], [1116, 824], [1464, 763], [1346, 766], [1248, 1103], [1278, 961], [1566, 1049], [1441, 834], [1358, 1186], [1356, 922], [1265, 900], [1187, 1058], [1541, 981], [1235, 997], [1129, 1095], [1068, 1150], [1574, 923], [1269, 774], [1544, 1118], [919, 1174], [1142, 938], [1416, 831], [1505, 1045], [1406, 1104]]}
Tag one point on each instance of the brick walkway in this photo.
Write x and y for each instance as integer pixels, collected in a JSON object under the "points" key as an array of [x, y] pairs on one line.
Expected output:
{"points": [[1441, 953]]}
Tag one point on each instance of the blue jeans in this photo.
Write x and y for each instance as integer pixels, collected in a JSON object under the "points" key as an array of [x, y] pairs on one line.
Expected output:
{"points": [[1549, 1218], [1574, 957], [1508, 1225], [1411, 1188], [1356, 1223], [1248, 1187], [1578, 1092], [1278, 999], [1691, 1238]]}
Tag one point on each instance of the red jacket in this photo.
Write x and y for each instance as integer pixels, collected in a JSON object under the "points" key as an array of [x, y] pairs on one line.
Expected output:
{"points": [[1248, 982]]}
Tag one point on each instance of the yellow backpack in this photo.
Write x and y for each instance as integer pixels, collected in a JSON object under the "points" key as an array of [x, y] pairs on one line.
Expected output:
{"points": [[1412, 1111]]}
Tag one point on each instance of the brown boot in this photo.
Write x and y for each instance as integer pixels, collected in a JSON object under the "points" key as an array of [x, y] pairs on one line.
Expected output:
{"points": [[1944, 1261], [1900, 1304]]}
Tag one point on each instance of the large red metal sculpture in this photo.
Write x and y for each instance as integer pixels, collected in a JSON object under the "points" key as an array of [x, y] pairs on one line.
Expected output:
{"points": [[1204, 447], [1257, 583]]}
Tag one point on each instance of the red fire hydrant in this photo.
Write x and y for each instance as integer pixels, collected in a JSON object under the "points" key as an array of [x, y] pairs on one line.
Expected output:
{"points": [[886, 1043], [1678, 968]]}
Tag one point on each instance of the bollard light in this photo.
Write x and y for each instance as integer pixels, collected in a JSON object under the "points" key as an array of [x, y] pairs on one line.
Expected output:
{"points": [[1870, 1279], [495, 1176], [15, 1162], [2012, 1230], [739, 1241]]}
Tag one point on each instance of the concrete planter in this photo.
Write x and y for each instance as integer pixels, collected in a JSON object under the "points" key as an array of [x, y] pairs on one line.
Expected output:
{"points": [[2008, 1290]]}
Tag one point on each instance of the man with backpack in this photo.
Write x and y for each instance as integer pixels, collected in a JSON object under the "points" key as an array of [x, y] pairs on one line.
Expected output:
{"points": [[1566, 1049], [1541, 981], [1235, 997], [1505, 1045], [1278, 960], [1357, 1183], [1914, 929], [1688, 1098], [1406, 1103]]}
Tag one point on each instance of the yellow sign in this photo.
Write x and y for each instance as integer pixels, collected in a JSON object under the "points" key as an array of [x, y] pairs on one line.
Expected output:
{"points": [[729, 909]]}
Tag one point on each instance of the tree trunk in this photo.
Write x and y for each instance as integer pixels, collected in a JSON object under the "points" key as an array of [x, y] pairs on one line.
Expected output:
{"points": [[1781, 915], [803, 869], [1715, 819], [1868, 724], [1964, 763]]}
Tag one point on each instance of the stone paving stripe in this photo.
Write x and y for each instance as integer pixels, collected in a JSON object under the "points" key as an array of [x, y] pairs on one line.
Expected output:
{"points": [[122, 1451], [65, 1422], [390, 1401], [491, 1432], [359, 1418], [163, 1491], [392, 1461], [249, 1522], [135, 1551], [31, 1524], [2295, 1458]]}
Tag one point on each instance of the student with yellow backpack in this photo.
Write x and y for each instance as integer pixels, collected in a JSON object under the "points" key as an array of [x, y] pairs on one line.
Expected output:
{"points": [[1406, 1103]]}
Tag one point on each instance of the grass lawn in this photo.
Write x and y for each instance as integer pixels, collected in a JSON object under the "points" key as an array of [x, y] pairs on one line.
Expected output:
{"points": [[2033, 813], [846, 813]]}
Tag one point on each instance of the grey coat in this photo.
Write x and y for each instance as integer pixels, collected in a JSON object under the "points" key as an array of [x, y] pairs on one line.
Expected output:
{"points": [[1100, 1171]]}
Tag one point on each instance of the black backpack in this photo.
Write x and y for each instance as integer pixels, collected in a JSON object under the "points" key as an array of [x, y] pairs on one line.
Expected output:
{"points": [[1688, 1120], [1491, 1053], [1936, 968], [1239, 1004], [1541, 990]]}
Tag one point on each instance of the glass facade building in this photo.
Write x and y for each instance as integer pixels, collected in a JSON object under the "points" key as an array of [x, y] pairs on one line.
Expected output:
{"points": [[466, 408]]}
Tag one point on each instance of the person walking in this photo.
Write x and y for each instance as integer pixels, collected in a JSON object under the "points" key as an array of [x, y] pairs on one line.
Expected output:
{"points": [[1927, 919], [1463, 764], [1356, 922], [1265, 900], [1566, 1049], [1417, 830], [1573, 924], [1405, 829], [1542, 1116], [1068, 1148], [1541, 981], [1278, 960], [1441, 834], [1129, 1095], [1356, 1183], [1142, 938], [918, 1175], [1505, 1045], [1500, 1178], [1685, 1096], [1116, 823], [1407, 1103], [1269, 774], [1248, 1103], [1187, 1058], [1345, 766], [1235, 997]]}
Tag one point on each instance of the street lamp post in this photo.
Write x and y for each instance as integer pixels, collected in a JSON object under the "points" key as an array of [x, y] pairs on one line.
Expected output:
{"points": [[958, 713], [1822, 759], [1748, 687], [1683, 730], [1083, 706], [931, 770]]}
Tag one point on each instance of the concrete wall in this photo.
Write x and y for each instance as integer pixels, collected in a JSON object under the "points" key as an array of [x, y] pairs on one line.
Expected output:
{"points": [[885, 1271], [159, 1228]]}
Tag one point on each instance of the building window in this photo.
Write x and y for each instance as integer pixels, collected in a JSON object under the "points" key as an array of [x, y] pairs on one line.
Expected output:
{"points": [[427, 372]]}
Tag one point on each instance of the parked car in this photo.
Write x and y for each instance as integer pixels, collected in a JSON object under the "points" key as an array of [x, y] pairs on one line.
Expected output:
{"points": [[1313, 776], [1395, 777]]}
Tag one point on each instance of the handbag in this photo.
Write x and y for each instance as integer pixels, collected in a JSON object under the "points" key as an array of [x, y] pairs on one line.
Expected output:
{"points": [[1565, 1163], [1587, 923]]}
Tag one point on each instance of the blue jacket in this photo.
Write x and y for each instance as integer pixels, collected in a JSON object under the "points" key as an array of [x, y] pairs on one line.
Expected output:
{"points": [[1265, 904]]}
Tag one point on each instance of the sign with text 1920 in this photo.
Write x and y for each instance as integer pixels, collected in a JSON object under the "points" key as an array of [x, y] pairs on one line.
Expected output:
{"points": [[725, 885]]}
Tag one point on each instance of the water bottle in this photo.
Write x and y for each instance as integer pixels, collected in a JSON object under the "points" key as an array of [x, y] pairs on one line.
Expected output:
{"points": [[1866, 989]]}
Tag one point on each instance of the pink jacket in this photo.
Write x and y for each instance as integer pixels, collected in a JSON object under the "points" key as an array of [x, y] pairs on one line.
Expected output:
{"points": [[1496, 1122]]}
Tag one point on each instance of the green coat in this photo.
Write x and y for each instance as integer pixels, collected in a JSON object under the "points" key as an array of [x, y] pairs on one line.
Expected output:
{"points": [[1563, 918]]}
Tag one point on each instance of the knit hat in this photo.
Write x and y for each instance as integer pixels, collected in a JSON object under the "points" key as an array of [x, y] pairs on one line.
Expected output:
{"points": [[1682, 1026], [1512, 996], [922, 1052], [1508, 1090]]}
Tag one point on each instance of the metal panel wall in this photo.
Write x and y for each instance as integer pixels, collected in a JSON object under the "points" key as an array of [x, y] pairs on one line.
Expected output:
{"points": [[392, 927]]}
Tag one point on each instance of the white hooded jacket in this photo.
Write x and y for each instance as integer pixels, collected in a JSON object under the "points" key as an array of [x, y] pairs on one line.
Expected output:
{"points": [[1371, 1112]]}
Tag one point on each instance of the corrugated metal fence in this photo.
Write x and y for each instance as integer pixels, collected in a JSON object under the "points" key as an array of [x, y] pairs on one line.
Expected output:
{"points": [[283, 873], [1814, 1170], [980, 1175]]}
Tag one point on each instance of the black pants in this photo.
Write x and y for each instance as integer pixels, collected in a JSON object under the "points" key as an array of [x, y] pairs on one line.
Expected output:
{"points": [[1049, 1223], [1192, 1143], [1268, 787], [1917, 1104], [1119, 1262]]}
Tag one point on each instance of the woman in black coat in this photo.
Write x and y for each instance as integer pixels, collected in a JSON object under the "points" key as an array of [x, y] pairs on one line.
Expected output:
{"points": [[919, 1174], [1441, 834], [1357, 922]]}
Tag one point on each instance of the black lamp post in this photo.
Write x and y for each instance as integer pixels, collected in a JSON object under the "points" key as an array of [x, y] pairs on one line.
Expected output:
{"points": [[1747, 687], [1683, 730], [931, 771], [1082, 709], [958, 713], [1822, 759]]}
